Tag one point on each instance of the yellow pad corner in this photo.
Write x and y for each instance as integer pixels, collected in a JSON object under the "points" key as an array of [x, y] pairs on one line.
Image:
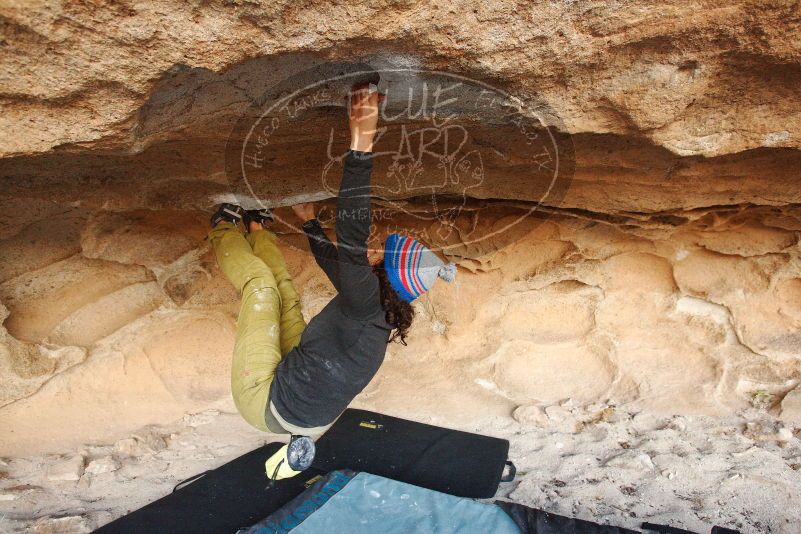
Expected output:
{"points": [[277, 466], [291, 459]]}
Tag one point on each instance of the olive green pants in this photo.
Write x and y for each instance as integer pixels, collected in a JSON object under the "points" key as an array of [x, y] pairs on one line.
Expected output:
{"points": [[270, 322]]}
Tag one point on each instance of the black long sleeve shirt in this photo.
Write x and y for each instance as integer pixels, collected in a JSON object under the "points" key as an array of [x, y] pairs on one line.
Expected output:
{"points": [[344, 345]]}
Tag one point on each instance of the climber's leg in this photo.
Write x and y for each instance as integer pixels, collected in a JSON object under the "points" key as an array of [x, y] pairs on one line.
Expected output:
{"points": [[257, 350], [265, 246]]}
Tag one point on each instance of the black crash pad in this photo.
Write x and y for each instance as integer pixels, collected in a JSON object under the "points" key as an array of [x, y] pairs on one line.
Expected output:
{"points": [[238, 494], [233, 496], [451, 461]]}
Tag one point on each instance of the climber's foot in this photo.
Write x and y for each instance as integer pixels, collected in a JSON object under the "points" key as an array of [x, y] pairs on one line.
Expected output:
{"points": [[228, 213], [257, 219]]}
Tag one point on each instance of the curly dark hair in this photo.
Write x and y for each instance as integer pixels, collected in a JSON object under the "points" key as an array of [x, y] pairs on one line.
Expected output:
{"points": [[399, 313]]}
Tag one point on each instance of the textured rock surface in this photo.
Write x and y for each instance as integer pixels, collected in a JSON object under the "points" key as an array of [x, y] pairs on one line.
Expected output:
{"points": [[117, 112], [694, 77], [570, 308], [665, 279], [68, 469]]}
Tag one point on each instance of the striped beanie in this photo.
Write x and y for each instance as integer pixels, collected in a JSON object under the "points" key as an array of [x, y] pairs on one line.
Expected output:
{"points": [[412, 268]]}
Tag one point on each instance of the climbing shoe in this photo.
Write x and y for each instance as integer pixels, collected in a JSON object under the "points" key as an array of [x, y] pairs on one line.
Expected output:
{"points": [[227, 212], [291, 459], [262, 217]]}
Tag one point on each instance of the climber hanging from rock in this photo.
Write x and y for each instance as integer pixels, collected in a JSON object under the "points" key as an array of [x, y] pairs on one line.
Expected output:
{"points": [[295, 379]]}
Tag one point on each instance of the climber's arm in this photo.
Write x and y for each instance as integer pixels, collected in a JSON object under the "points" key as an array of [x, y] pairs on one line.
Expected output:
{"points": [[358, 284], [325, 253]]}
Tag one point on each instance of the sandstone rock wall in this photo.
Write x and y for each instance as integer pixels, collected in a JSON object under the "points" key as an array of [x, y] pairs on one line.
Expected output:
{"points": [[666, 273], [701, 318], [695, 77]]}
